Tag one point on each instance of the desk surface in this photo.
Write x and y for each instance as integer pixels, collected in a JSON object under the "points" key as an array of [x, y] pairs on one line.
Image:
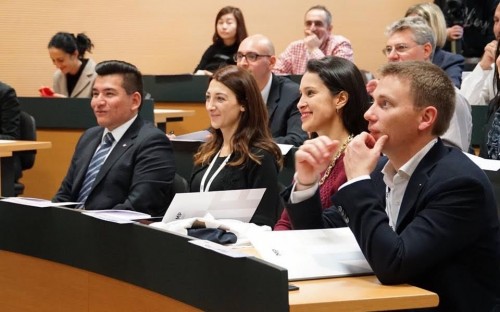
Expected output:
{"points": [[168, 264], [359, 293], [9, 146], [362, 293]]}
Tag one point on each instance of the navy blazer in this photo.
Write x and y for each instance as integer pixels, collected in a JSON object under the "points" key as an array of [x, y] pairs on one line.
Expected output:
{"points": [[284, 116], [451, 63], [137, 175], [447, 234]]}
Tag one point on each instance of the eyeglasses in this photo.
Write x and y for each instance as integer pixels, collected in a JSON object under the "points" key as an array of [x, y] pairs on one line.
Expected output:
{"points": [[250, 56], [399, 48]]}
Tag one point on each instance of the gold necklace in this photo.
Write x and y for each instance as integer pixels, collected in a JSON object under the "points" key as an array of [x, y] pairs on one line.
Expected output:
{"points": [[334, 160]]}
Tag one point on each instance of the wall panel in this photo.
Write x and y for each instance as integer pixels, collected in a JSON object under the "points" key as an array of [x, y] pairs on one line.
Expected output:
{"points": [[163, 37]]}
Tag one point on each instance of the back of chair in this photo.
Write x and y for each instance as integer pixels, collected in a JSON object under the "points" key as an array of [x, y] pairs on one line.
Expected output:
{"points": [[180, 184], [27, 127]]}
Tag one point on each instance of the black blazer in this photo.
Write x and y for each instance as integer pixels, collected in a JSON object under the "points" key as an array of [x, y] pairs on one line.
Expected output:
{"points": [[10, 122], [447, 234], [137, 175], [247, 176], [284, 116]]}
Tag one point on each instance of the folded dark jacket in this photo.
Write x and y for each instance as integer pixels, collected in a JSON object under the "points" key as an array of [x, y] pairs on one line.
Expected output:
{"points": [[214, 235]]}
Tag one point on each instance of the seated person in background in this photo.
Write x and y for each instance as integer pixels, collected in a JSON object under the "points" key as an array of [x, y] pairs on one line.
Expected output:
{"points": [[469, 26], [318, 43], [411, 39], [137, 159], [230, 30], [241, 153], [75, 74], [490, 144], [452, 64], [425, 214], [478, 86], [333, 102], [9, 121], [256, 54]]}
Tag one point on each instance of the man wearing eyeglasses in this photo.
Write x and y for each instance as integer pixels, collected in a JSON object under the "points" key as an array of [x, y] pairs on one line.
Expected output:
{"points": [[317, 43], [281, 95], [411, 39]]}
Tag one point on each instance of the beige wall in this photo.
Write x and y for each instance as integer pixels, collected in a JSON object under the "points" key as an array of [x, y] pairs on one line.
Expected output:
{"points": [[160, 37], [169, 36]]}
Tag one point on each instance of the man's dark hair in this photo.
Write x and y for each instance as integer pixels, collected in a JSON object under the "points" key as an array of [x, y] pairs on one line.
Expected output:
{"points": [[132, 77]]}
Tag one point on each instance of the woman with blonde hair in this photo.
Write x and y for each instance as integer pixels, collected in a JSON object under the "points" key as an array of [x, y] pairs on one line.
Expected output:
{"points": [[452, 64]]}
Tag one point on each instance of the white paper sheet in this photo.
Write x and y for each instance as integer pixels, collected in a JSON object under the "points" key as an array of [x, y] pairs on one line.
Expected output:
{"points": [[485, 164], [234, 204], [116, 215], [228, 251], [312, 254], [198, 136], [285, 148]]}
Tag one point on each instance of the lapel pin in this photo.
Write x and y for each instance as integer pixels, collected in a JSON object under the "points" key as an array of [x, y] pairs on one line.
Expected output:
{"points": [[124, 144]]}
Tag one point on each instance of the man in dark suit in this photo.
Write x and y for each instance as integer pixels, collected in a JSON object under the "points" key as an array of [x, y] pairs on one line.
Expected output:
{"points": [[138, 169], [281, 95], [423, 215]]}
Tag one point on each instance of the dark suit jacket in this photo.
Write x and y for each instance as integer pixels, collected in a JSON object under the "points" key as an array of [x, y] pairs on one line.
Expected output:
{"points": [[137, 175], [452, 64], [447, 234], [284, 117], [9, 121], [247, 176]]}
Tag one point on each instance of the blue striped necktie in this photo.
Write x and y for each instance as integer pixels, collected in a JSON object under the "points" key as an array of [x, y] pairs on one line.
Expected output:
{"points": [[94, 167]]}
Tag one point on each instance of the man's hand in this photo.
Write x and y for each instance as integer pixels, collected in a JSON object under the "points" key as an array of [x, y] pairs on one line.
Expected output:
{"points": [[489, 55], [362, 154], [312, 158], [312, 41], [371, 86]]}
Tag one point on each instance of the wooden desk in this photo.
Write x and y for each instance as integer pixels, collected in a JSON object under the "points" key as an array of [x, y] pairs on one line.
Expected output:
{"points": [[362, 293], [164, 116], [7, 147], [45, 267]]}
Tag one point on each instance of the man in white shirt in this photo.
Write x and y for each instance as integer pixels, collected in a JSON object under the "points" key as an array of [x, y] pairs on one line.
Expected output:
{"points": [[478, 86]]}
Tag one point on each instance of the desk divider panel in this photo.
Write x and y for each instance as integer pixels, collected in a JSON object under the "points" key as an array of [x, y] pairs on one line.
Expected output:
{"points": [[176, 88], [183, 88], [70, 113], [153, 259]]}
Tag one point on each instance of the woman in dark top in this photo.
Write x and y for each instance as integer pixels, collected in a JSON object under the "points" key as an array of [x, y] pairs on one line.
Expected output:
{"points": [[75, 74], [490, 145], [230, 30], [240, 153], [333, 102]]}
